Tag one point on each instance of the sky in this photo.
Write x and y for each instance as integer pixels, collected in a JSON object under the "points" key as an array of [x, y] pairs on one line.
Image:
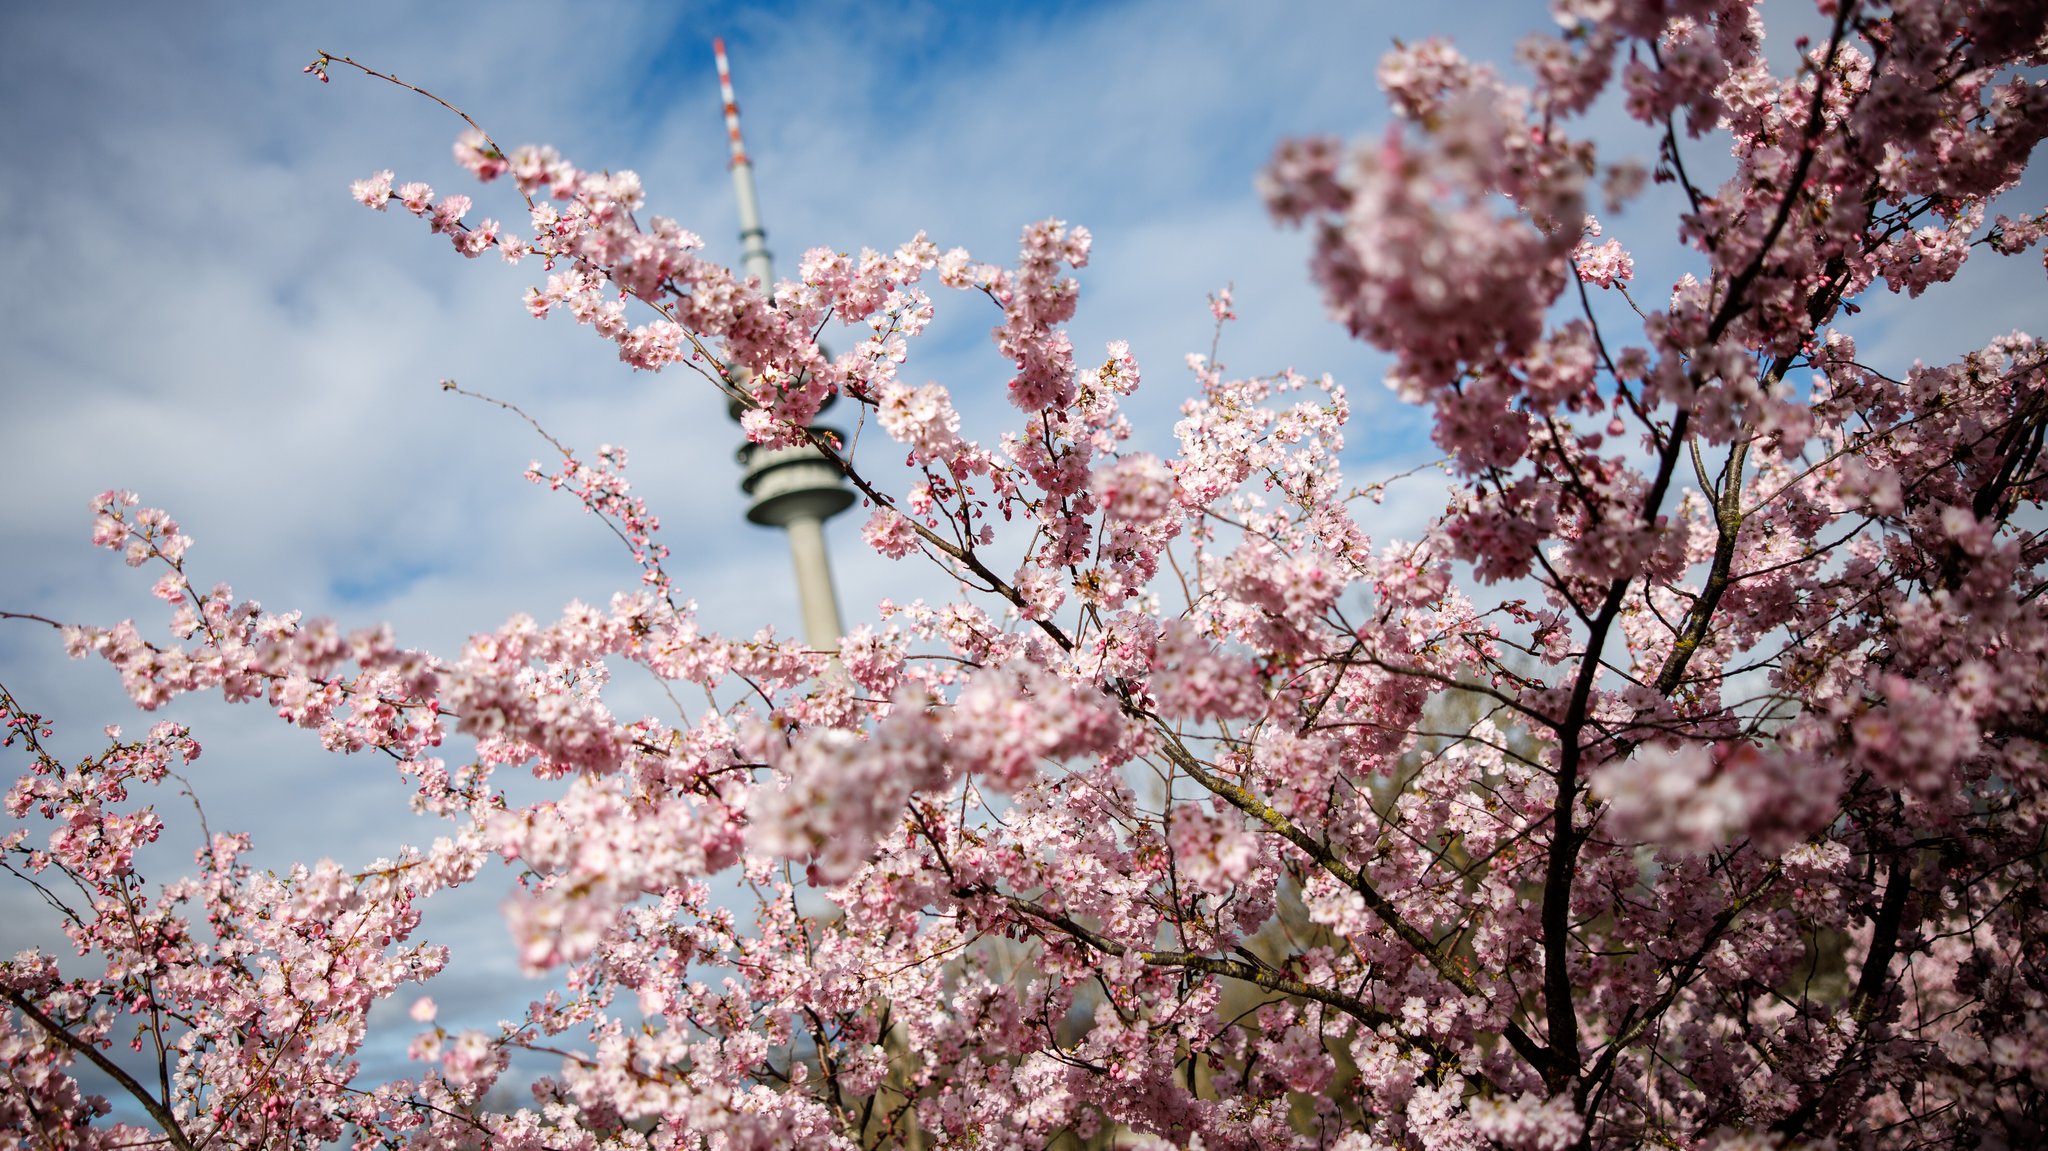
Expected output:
{"points": [[196, 310]]}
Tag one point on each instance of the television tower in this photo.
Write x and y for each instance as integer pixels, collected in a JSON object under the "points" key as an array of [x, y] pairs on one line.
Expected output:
{"points": [[796, 489]]}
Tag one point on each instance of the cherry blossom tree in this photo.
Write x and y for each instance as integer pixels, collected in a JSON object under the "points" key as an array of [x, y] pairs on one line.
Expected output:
{"points": [[1681, 784]]}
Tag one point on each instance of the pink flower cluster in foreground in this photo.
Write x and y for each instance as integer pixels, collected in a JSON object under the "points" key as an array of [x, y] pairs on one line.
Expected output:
{"points": [[1204, 819]]}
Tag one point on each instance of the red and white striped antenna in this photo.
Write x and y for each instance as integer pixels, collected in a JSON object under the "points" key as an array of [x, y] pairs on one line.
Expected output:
{"points": [[753, 238]]}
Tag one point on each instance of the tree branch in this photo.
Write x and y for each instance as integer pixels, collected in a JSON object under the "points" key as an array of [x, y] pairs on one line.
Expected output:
{"points": [[157, 1110]]}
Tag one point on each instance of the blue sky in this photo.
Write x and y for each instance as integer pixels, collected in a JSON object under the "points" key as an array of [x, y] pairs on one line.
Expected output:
{"points": [[196, 310]]}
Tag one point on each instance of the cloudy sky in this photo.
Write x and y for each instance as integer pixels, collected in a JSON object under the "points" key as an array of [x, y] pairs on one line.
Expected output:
{"points": [[195, 309]]}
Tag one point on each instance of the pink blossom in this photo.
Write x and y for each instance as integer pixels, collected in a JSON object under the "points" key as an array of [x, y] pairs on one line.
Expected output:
{"points": [[890, 534], [1672, 796], [477, 154], [1606, 265], [374, 192], [447, 215], [1138, 488], [416, 197]]}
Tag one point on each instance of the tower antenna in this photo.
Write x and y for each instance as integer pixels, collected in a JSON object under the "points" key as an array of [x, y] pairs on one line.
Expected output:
{"points": [[753, 238]]}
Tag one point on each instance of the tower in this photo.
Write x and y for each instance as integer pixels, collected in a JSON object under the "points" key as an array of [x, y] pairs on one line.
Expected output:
{"points": [[796, 489]]}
